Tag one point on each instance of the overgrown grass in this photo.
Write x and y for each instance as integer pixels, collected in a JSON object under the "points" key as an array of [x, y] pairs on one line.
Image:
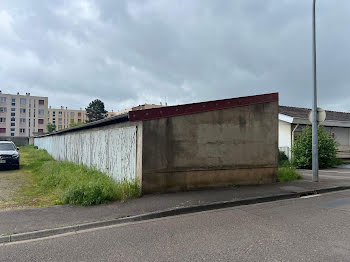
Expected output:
{"points": [[55, 182], [288, 174]]}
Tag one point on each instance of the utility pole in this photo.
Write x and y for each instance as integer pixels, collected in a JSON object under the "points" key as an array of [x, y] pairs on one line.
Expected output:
{"points": [[314, 107]]}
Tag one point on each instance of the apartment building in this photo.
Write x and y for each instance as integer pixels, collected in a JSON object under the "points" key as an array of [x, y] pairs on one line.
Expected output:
{"points": [[64, 117], [22, 115]]}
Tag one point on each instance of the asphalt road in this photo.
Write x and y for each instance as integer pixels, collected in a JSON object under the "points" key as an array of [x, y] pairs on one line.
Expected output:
{"points": [[332, 174], [304, 229]]}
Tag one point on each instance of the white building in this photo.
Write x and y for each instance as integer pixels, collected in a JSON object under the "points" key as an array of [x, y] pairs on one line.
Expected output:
{"points": [[293, 119]]}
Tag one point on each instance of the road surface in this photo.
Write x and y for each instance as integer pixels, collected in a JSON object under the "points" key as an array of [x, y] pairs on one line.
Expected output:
{"points": [[304, 229]]}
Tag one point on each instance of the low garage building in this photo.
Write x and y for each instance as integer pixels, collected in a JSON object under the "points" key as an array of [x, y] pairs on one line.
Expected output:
{"points": [[292, 120], [216, 143]]}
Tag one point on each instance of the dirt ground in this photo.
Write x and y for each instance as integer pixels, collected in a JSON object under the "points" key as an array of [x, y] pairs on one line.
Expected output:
{"points": [[11, 182]]}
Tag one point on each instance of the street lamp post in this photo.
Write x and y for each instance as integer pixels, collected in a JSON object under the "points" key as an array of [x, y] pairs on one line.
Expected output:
{"points": [[314, 107]]}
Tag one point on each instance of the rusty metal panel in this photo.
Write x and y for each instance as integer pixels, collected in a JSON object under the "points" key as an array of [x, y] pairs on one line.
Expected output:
{"points": [[111, 150]]}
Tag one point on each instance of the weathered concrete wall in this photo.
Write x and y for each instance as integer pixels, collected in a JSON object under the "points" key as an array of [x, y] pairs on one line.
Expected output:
{"points": [[111, 149], [217, 148], [19, 141]]}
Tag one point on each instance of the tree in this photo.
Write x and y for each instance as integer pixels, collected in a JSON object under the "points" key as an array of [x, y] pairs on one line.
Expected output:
{"points": [[76, 124], [51, 127], [302, 149], [96, 111]]}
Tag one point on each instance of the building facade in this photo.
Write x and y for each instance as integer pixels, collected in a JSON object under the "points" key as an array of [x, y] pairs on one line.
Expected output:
{"points": [[292, 120], [22, 115], [64, 117]]}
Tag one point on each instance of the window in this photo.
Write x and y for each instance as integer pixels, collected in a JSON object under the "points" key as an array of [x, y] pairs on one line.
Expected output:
{"points": [[3, 109], [2, 130], [13, 109], [60, 120], [41, 102], [79, 114], [54, 121], [59, 126], [13, 101], [71, 114], [22, 120], [12, 130], [13, 114], [13, 119], [60, 112], [79, 120], [2, 119], [40, 130], [22, 110], [53, 113], [22, 130], [12, 134], [2, 99], [41, 111], [40, 121], [22, 101], [13, 124]]}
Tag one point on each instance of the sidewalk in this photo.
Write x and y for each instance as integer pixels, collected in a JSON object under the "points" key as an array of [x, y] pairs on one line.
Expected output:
{"points": [[28, 220]]}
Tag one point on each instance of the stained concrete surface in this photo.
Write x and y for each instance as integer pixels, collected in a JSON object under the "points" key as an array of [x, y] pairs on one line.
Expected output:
{"points": [[223, 147]]}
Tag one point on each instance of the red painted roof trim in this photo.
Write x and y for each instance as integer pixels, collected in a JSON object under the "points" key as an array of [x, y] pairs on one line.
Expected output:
{"points": [[179, 110]]}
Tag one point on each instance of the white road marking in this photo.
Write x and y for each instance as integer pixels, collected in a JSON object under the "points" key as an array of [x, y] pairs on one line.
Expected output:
{"points": [[310, 196]]}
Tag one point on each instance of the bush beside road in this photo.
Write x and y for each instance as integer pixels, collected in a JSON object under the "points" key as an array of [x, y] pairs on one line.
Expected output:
{"points": [[50, 182]]}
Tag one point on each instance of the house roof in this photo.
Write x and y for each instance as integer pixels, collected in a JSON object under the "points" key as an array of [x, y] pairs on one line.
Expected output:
{"points": [[303, 113]]}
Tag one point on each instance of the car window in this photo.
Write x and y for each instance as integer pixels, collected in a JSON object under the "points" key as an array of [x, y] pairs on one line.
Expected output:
{"points": [[7, 147]]}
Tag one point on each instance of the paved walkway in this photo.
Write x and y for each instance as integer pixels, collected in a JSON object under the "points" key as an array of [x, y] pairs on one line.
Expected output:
{"points": [[26, 220]]}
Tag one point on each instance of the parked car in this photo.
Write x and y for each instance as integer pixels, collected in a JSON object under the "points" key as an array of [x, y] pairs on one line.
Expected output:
{"points": [[9, 156]]}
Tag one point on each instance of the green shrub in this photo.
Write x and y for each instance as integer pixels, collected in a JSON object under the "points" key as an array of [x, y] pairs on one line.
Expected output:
{"points": [[89, 193], [302, 149], [282, 157], [288, 174]]}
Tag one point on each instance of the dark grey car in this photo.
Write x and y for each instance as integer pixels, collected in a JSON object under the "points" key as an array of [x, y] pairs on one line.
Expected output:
{"points": [[9, 156]]}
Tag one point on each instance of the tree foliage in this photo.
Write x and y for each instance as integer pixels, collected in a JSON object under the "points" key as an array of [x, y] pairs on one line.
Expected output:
{"points": [[302, 149], [51, 127], [96, 111], [282, 156], [76, 124]]}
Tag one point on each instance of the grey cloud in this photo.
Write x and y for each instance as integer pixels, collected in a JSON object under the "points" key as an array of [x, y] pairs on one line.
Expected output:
{"points": [[131, 52]]}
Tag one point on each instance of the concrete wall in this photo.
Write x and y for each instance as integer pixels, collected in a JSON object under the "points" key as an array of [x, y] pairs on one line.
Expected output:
{"points": [[19, 141], [217, 148], [111, 149]]}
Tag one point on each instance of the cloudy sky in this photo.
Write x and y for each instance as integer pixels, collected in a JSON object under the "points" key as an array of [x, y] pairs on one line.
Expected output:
{"points": [[136, 51]]}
